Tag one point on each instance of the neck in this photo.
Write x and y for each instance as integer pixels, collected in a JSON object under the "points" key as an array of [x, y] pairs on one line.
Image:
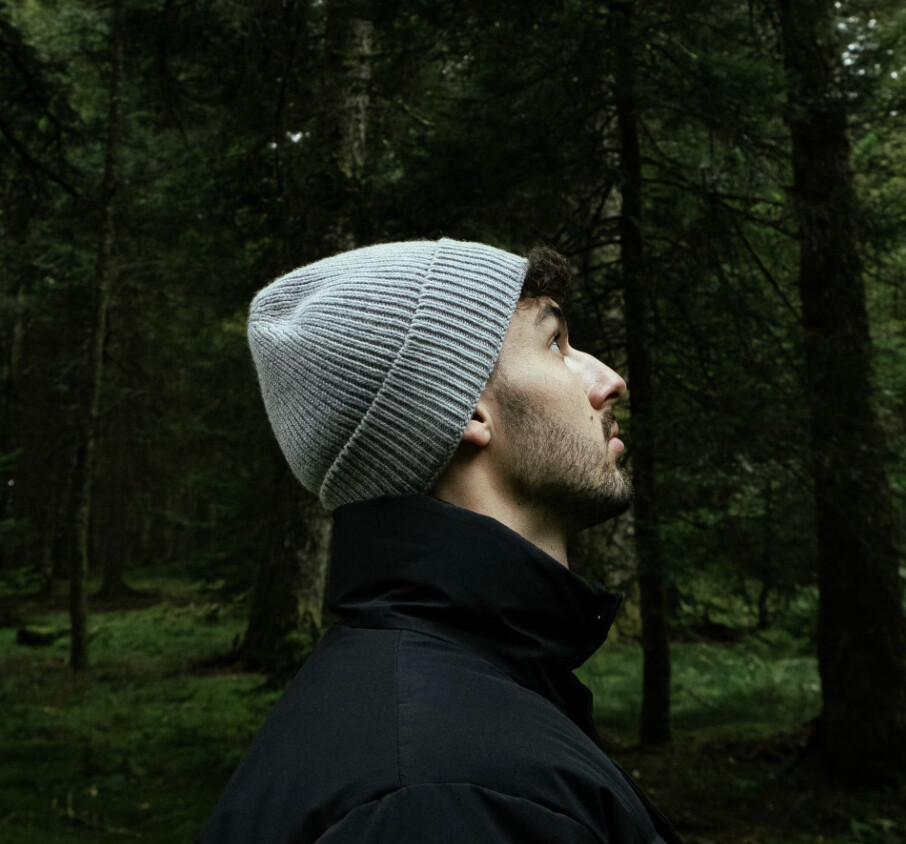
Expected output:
{"points": [[531, 522]]}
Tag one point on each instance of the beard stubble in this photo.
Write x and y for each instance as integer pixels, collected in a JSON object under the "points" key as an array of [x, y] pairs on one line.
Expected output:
{"points": [[552, 466]]}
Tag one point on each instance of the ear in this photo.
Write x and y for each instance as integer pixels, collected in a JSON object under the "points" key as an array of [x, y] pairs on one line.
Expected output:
{"points": [[478, 428]]}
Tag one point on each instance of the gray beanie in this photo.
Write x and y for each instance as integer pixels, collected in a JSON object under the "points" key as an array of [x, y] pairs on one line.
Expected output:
{"points": [[372, 362]]}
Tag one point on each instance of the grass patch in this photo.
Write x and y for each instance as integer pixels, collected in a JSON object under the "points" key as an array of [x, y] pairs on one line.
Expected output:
{"points": [[139, 745], [162, 632], [716, 690]]}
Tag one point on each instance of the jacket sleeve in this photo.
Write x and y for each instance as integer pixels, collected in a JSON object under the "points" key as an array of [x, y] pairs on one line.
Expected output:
{"points": [[453, 813]]}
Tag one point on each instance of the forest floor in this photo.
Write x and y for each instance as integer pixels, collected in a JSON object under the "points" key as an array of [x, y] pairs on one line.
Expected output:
{"points": [[757, 791], [140, 745]]}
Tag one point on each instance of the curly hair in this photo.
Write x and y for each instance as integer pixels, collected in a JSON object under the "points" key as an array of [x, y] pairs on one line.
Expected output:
{"points": [[547, 275]]}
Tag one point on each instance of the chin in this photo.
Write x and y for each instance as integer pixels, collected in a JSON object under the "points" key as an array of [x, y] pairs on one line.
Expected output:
{"points": [[587, 508]]}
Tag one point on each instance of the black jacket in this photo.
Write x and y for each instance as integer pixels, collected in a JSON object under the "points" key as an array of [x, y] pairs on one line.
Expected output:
{"points": [[442, 707]]}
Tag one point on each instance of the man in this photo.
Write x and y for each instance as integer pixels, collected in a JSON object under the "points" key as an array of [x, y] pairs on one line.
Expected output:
{"points": [[427, 392]]}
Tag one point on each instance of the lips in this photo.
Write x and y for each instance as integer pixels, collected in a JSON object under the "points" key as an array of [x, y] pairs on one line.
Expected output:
{"points": [[611, 428], [612, 441]]}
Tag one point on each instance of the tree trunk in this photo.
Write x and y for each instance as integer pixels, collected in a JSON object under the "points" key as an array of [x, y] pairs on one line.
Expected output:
{"points": [[347, 56], [291, 585], [289, 591], [861, 732], [112, 523], [767, 550], [18, 210], [86, 457], [655, 721]]}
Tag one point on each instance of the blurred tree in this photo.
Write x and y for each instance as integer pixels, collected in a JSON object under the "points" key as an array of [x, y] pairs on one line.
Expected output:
{"points": [[35, 127], [291, 581], [90, 415], [861, 733], [637, 287]]}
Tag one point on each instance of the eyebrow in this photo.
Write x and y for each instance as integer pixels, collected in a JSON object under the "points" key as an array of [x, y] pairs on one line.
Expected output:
{"points": [[551, 311]]}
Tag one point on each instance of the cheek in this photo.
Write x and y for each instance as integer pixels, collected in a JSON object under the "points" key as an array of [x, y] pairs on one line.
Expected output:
{"points": [[581, 371]]}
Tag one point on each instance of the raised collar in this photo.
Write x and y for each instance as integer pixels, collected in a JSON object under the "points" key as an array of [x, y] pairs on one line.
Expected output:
{"points": [[419, 563]]}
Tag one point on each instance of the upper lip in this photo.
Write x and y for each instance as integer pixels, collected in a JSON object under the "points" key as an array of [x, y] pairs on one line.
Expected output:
{"points": [[614, 430]]}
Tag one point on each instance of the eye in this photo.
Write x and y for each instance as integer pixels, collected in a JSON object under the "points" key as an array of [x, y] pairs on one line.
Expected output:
{"points": [[556, 342]]}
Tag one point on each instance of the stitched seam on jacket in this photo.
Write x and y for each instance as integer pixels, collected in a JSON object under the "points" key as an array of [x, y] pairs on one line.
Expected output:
{"points": [[396, 684], [396, 791], [453, 643]]}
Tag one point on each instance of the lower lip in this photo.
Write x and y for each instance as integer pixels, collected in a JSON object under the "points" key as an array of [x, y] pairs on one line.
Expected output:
{"points": [[616, 444]]}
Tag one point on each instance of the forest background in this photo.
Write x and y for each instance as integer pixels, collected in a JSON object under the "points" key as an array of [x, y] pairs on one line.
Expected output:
{"points": [[727, 180]]}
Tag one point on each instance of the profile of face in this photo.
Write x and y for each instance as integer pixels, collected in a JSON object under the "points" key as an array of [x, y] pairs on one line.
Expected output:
{"points": [[556, 443]]}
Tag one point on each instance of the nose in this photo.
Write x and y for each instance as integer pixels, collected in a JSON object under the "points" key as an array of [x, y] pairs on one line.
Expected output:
{"points": [[605, 386]]}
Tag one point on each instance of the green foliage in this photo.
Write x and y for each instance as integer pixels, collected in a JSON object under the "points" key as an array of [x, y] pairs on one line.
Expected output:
{"points": [[755, 689], [132, 750], [16, 582], [292, 651], [489, 122], [142, 741], [877, 831], [13, 533], [193, 631]]}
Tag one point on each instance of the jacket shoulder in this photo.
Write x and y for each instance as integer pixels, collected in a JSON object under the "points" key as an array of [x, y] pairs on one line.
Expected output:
{"points": [[381, 726], [451, 813], [329, 745], [462, 719]]}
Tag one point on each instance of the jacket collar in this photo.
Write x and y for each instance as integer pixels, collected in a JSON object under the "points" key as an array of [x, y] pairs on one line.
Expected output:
{"points": [[419, 563]]}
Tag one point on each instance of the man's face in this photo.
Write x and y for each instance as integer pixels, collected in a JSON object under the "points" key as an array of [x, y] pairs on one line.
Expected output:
{"points": [[555, 406]]}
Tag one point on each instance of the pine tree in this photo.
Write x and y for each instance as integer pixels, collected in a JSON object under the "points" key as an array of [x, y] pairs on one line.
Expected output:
{"points": [[861, 733]]}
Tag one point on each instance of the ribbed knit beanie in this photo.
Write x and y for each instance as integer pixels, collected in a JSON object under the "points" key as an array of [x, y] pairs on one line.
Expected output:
{"points": [[372, 362]]}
